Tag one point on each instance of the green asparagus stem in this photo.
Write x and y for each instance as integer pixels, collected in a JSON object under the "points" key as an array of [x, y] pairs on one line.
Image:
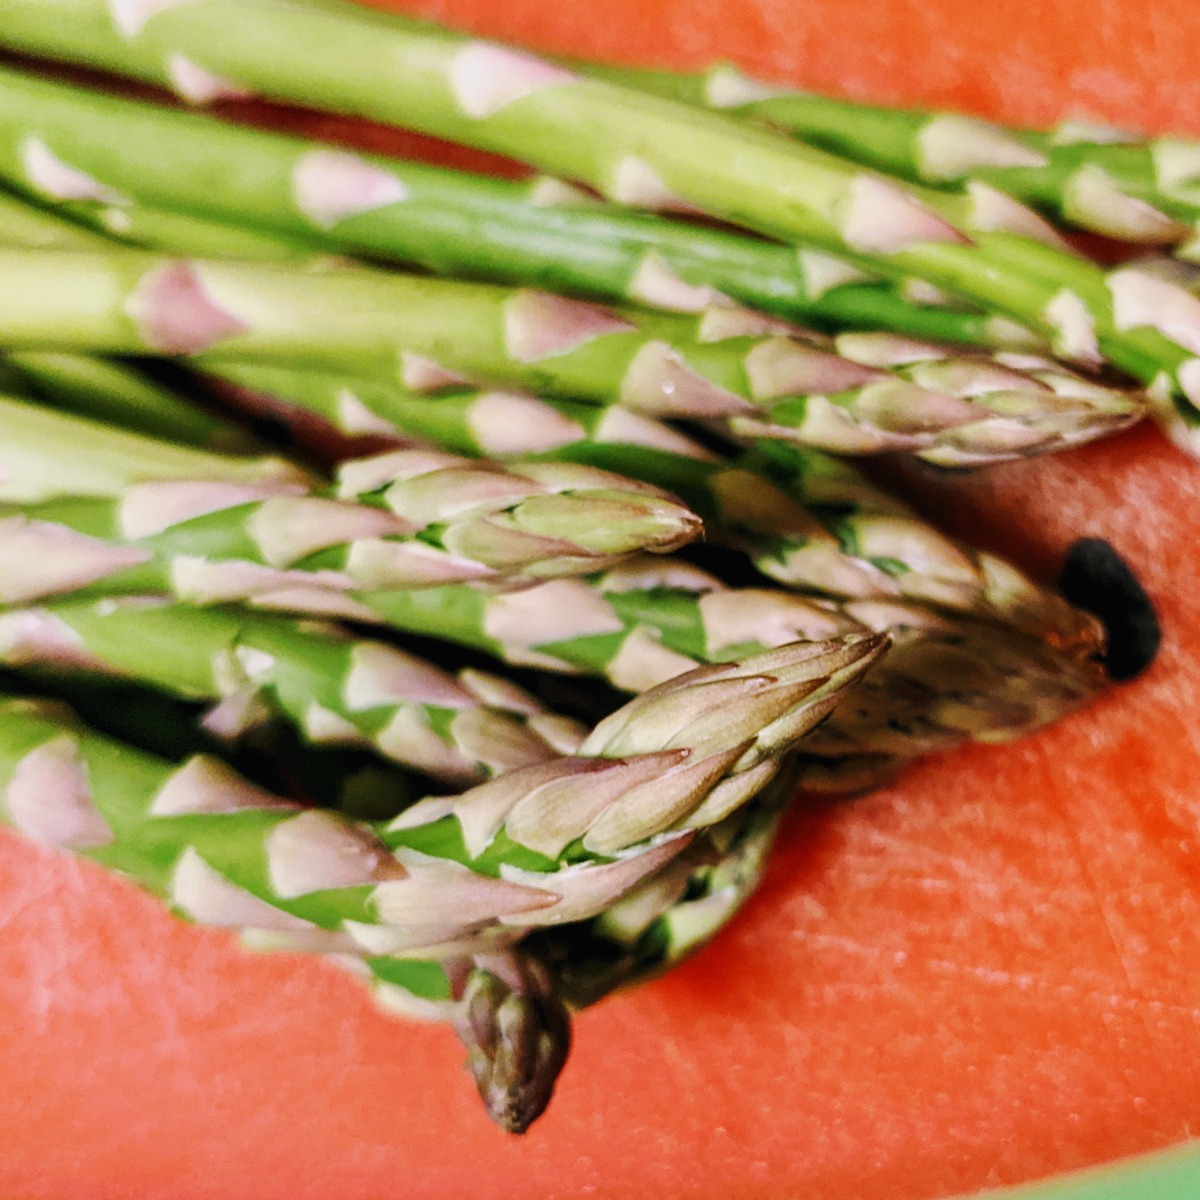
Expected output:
{"points": [[54, 137], [206, 552], [275, 756], [104, 390], [642, 151], [337, 690], [806, 520], [1093, 177], [109, 460], [209, 543], [1016, 392], [411, 518], [118, 394], [999, 703], [637, 626], [124, 301], [156, 228], [625, 626]]}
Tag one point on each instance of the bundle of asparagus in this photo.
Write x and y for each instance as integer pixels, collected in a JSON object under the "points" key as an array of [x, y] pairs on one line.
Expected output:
{"points": [[549, 843], [569, 388]]}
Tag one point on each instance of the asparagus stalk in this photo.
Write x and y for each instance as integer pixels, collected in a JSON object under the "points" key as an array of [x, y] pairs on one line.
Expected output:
{"points": [[1096, 178], [118, 394], [337, 690], [105, 390], [634, 632], [56, 143], [1020, 416], [1011, 710], [275, 756], [947, 681], [110, 460], [807, 521], [124, 301], [404, 519], [579, 832], [625, 627], [637, 626], [644, 151]]}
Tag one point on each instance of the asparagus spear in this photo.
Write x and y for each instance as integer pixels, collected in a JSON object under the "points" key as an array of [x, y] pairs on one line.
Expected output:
{"points": [[674, 914], [636, 626], [572, 834], [275, 756], [54, 138], [947, 681], [806, 520], [645, 634], [643, 151], [111, 460], [1180, 270], [403, 519], [945, 689], [1100, 179], [625, 627], [336, 689], [980, 716], [106, 390], [1015, 391], [118, 394], [125, 301]]}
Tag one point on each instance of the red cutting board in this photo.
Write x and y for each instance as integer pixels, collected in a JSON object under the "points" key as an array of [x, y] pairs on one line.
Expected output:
{"points": [[986, 974]]}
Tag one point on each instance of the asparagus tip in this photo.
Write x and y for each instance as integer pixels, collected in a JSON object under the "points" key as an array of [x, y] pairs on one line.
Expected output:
{"points": [[517, 1033]]}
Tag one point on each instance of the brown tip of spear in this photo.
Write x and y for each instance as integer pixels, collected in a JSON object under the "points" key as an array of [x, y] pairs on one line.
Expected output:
{"points": [[517, 1031]]}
